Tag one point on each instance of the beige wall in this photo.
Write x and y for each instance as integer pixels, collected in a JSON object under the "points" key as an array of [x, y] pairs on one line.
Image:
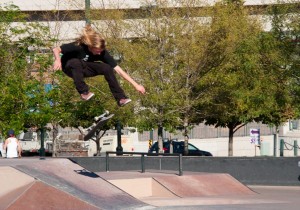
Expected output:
{"points": [[243, 147], [33, 5]]}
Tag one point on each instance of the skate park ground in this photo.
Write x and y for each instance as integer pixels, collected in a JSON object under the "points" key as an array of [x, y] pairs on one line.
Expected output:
{"points": [[59, 183]]}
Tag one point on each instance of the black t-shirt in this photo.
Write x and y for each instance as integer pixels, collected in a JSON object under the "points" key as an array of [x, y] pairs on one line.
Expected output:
{"points": [[72, 50]]}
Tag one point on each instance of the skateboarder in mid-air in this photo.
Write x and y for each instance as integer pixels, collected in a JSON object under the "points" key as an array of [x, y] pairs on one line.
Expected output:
{"points": [[87, 57]]}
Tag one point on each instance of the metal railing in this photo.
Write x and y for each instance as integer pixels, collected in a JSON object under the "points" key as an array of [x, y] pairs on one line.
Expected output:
{"points": [[143, 154], [285, 146]]}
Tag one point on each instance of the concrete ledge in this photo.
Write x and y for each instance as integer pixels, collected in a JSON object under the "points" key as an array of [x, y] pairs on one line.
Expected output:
{"points": [[150, 187], [278, 171]]}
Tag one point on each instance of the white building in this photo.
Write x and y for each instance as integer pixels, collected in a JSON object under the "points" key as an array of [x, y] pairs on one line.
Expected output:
{"points": [[65, 29]]}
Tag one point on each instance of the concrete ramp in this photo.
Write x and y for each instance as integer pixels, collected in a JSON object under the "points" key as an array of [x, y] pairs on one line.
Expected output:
{"points": [[42, 196], [13, 184], [70, 178], [21, 191], [182, 186], [61, 184], [204, 185]]}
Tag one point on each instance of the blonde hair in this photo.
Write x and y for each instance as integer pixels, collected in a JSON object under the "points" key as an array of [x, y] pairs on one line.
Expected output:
{"points": [[91, 38]]}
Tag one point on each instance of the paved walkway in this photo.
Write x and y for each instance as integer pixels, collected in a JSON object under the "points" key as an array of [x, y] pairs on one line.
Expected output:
{"points": [[58, 183]]}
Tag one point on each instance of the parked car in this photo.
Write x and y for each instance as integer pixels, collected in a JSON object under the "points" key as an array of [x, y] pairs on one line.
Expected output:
{"points": [[31, 142], [178, 147]]}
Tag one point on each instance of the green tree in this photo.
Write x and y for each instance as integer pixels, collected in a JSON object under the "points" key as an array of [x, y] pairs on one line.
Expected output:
{"points": [[247, 82], [286, 34], [14, 71], [71, 111], [161, 52], [25, 72]]}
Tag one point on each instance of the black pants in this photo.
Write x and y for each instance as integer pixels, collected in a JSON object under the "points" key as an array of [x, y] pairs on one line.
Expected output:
{"points": [[78, 70]]}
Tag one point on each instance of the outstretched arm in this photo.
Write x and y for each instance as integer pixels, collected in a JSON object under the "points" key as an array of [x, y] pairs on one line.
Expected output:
{"points": [[57, 60], [125, 76]]}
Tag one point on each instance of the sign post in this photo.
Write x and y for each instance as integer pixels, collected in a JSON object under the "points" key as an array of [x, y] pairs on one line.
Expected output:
{"points": [[255, 137]]}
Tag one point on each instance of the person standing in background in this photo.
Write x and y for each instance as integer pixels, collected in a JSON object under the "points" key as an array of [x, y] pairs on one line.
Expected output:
{"points": [[12, 145]]}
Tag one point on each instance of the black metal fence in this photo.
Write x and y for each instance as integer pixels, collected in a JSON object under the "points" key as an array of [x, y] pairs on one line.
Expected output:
{"points": [[143, 154]]}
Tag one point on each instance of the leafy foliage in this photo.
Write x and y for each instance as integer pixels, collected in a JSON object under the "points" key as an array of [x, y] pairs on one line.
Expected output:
{"points": [[223, 69]]}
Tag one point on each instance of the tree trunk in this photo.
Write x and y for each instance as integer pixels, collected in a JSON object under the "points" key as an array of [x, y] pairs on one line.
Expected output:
{"points": [[160, 142], [98, 139], [186, 145], [54, 139], [230, 143], [171, 147], [186, 138], [98, 147]]}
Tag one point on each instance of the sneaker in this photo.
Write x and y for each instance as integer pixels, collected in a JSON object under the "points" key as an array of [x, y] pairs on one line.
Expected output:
{"points": [[87, 96], [124, 101]]}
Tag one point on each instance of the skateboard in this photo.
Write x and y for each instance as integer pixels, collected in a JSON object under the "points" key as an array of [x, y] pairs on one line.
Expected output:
{"points": [[100, 121]]}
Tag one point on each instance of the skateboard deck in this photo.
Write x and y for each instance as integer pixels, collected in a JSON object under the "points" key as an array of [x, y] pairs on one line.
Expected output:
{"points": [[99, 124]]}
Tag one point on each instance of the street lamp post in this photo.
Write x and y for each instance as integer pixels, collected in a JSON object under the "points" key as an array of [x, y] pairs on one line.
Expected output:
{"points": [[119, 148], [87, 12]]}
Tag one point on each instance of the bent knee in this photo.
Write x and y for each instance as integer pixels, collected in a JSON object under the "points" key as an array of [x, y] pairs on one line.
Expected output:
{"points": [[107, 69], [73, 63]]}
